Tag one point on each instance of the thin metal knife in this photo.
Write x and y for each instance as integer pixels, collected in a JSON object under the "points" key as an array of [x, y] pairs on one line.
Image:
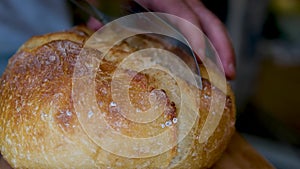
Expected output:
{"points": [[155, 20]]}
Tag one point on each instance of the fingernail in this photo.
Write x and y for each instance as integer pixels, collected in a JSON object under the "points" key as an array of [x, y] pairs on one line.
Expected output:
{"points": [[231, 70]]}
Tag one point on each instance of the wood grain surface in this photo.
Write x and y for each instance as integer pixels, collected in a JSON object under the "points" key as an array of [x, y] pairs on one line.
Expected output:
{"points": [[239, 155]]}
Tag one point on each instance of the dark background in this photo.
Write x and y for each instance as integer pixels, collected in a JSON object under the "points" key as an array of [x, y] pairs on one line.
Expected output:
{"points": [[266, 38]]}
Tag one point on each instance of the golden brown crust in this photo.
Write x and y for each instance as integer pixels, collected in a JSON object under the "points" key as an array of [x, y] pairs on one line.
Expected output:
{"points": [[77, 34], [38, 123]]}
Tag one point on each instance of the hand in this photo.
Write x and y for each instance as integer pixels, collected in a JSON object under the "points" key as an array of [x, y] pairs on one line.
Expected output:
{"points": [[195, 12]]}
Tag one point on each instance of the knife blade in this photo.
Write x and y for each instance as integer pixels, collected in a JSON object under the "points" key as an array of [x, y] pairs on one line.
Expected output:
{"points": [[156, 21], [164, 24]]}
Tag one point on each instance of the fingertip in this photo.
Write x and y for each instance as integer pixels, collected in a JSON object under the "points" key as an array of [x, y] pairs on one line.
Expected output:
{"points": [[94, 24], [230, 71]]}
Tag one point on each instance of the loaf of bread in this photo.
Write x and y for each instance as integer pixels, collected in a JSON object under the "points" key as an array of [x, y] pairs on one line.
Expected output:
{"points": [[41, 127]]}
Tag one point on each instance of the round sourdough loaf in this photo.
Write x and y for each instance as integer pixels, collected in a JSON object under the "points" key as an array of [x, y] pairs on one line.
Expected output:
{"points": [[39, 127]]}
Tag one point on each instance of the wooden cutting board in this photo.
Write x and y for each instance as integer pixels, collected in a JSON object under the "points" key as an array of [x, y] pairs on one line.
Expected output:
{"points": [[239, 155]]}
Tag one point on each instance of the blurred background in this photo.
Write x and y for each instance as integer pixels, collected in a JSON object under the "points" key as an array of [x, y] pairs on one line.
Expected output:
{"points": [[266, 38]]}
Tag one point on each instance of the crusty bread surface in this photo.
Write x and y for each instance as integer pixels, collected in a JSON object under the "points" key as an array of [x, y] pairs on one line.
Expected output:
{"points": [[40, 128]]}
